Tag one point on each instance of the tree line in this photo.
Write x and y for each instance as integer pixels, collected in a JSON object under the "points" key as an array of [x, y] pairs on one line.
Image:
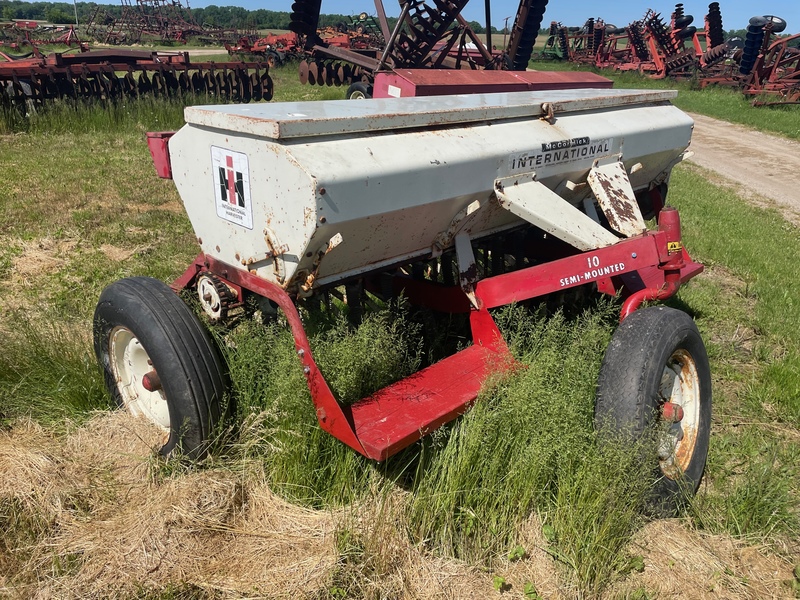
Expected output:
{"points": [[226, 17]]}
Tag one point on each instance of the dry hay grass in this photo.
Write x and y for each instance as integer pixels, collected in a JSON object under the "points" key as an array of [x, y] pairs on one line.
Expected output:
{"points": [[119, 529], [538, 567], [40, 256], [682, 563], [117, 254], [36, 259], [118, 524]]}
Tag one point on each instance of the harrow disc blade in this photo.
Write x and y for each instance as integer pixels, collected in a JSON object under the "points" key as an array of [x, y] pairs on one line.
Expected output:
{"points": [[255, 86], [234, 85], [247, 87], [210, 83], [49, 88], [84, 87], [171, 82], [313, 73], [145, 85], [66, 87], [129, 85], [223, 85], [266, 87], [303, 72], [5, 99], [184, 83], [159, 86], [320, 73], [198, 83]]}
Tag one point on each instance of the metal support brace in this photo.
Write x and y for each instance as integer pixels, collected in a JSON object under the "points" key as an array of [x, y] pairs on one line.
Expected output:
{"points": [[467, 268], [538, 204]]}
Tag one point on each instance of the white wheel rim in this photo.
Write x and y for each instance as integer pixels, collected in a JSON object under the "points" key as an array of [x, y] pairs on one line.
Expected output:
{"points": [[129, 364], [680, 385]]}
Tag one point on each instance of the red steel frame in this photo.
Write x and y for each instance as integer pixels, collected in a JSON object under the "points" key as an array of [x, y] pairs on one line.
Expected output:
{"points": [[648, 267]]}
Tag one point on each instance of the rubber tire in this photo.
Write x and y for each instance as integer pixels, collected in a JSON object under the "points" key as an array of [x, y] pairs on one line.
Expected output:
{"points": [[627, 401], [359, 91], [273, 59], [181, 352]]}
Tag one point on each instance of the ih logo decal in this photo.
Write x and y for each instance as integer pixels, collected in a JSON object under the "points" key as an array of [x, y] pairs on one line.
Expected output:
{"points": [[232, 186]]}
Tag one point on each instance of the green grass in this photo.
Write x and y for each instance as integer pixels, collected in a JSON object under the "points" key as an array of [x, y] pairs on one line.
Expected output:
{"points": [[759, 247], [94, 212], [48, 371], [751, 478]]}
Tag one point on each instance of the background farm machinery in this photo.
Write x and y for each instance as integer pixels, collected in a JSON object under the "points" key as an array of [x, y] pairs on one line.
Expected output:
{"points": [[111, 74], [360, 34], [19, 34], [424, 37], [762, 64], [164, 21]]}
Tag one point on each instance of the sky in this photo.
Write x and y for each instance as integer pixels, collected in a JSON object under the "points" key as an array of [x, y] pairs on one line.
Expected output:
{"points": [[735, 13]]}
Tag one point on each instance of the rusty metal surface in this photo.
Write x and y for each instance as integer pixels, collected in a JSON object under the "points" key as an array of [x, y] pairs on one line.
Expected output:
{"points": [[614, 193]]}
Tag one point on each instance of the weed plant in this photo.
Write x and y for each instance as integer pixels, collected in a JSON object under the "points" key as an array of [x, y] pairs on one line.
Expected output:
{"points": [[527, 445]]}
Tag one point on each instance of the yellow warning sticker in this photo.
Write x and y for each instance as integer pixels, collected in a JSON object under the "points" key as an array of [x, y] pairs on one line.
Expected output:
{"points": [[673, 247]]}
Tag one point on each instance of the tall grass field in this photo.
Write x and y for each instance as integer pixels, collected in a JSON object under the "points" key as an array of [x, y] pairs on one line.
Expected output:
{"points": [[515, 499]]}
